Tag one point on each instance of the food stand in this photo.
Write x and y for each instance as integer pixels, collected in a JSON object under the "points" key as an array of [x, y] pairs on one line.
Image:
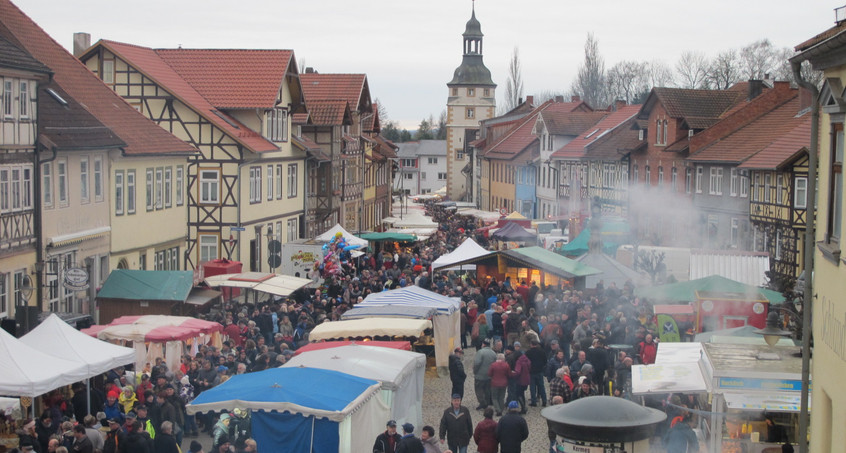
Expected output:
{"points": [[725, 310]]}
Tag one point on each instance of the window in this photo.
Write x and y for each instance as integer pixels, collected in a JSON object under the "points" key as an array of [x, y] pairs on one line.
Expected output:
{"points": [[62, 173], [83, 180], [277, 125], [688, 180], [442, 176], [108, 71], [209, 186], [279, 182], [208, 247], [715, 186], [647, 175], [18, 280], [658, 131], [423, 175], [98, 178], [16, 188], [665, 132], [180, 185], [149, 186], [47, 184], [7, 98], [459, 153], [733, 182], [635, 176], [471, 112], [455, 91], [768, 182], [700, 172], [433, 161], [119, 192], [4, 301], [735, 231], [292, 180], [23, 98], [661, 177], [409, 176], [801, 193], [779, 188], [26, 188], [270, 182], [159, 188], [471, 92], [486, 92], [167, 260], [409, 163], [744, 183], [130, 192], [293, 228], [168, 187], [674, 178], [4, 190], [255, 184], [756, 189], [835, 199]]}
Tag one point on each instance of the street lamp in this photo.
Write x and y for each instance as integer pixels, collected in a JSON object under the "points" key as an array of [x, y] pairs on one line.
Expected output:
{"points": [[772, 333]]}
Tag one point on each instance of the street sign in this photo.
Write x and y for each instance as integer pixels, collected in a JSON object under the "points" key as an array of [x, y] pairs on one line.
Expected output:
{"points": [[232, 228]]}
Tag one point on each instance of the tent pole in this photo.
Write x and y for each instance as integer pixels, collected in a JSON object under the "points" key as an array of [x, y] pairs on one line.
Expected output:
{"points": [[88, 394]]}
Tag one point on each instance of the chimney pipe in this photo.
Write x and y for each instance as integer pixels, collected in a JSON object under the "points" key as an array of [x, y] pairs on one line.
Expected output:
{"points": [[530, 100], [575, 98], [559, 98], [619, 103], [81, 43], [755, 88], [309, 70]]}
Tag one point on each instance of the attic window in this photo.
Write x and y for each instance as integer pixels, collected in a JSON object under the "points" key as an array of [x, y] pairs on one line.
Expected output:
{"points": [[591, 134], [225, 118], [56, 96]]}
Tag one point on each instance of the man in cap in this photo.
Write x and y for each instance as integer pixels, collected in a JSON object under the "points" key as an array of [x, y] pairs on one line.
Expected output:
{"points": [[512, 429], [585, 388], [388, 440], [115, 438], [456, 426], [456, 371], [409, 443]]}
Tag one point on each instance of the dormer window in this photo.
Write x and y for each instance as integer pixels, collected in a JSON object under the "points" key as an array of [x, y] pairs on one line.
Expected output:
{"points": [[277, 125]]}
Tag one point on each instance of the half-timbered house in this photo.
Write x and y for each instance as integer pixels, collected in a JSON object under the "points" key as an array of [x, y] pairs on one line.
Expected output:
{"points": [[245, 187]]}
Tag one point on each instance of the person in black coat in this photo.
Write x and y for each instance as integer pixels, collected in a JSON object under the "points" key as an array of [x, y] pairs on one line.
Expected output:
{"points": [[81, 443], [165, 441], [409, 443], [512, 430], [456, 372], [388, 440]]}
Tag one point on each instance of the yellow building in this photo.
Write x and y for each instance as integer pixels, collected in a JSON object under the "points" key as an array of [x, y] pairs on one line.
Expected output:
{"points": [[472, 98], [825, 52]]}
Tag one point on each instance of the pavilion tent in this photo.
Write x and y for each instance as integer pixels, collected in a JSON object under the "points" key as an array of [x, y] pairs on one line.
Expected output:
{"points": [[614, 233], [447, 322], [369, 328], [287, 413], [468, 249], [403, 345], [400, 372], [613, 271], [416, 220], [512, 231], [686, 291], [276, 284], [330, 234], [389, 237], [26, 371], [389, 311]]}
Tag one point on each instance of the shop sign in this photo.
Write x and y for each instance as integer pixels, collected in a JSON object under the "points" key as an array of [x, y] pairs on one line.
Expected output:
{"points": [[75, 279], [759, 384], [573, 448]]}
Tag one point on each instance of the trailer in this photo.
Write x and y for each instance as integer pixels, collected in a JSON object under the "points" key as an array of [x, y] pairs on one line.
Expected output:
{"points": [[298, 258]]}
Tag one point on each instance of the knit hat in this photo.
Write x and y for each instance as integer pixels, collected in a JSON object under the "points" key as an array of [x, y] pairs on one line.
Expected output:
{"points": [[195, 447], [513, 405]]}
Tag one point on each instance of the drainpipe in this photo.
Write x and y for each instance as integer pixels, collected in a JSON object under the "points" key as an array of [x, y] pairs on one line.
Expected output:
{"points": [[810, 236]]}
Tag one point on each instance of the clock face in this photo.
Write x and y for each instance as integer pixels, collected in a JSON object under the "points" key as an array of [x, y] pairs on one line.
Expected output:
{"points": [[708, 305], [758, 308]]}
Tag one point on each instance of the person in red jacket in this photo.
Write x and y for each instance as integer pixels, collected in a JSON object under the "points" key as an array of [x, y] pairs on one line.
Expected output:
{"points": [[485, 433], [647, 350], [499, 372]]}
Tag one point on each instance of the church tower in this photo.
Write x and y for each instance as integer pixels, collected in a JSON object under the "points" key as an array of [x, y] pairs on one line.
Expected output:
{"points": [[471, 100]]}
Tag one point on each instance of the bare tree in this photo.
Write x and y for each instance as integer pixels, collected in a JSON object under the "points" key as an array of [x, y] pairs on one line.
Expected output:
{"points": [[548, 95], [724, 70], [628, 80], [514, 84], [784, 71], [651, 262], [590, 82], [758, 59], [659, 74], [382, 110], [691, 70]]}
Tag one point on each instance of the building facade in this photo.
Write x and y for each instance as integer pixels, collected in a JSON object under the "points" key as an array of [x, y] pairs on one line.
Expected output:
{"points": [[422, 167]]}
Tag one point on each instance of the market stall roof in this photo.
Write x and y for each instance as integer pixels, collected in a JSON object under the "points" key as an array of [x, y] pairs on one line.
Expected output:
{"points": [[153, 328], [739, 335], [289, 390], [668, 378], [416, 219], [389, 237], [330, 234], [390, 311], [686, 291], [487, 216], [614, 233], [388, 366], [412, 296], [277, 284], [613, 271], [678, 352], [369, 327], [130, 284], [468, 249], [513, 232], [26, 371], [540, 258], [403, 345], [516, 216], [769, 402], [55, 337]]}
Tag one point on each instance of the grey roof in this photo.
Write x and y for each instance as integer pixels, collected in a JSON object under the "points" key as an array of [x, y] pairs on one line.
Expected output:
{"points": [[472, 72], [473, 28], [422, 148], [12, 56]]}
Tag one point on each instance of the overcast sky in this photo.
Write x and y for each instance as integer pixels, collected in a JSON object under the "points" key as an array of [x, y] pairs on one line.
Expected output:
{"points": [[409, 49]]}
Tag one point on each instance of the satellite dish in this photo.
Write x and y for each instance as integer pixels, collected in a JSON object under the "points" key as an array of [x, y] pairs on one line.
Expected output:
{"points": [[26, 287]]}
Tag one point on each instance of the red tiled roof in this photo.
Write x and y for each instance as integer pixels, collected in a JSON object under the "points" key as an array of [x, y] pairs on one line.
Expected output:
{"points": [[311, 147], [148, 62], [385, 147], [783, 149], [738, 145], [141, 135], [571, 122], [331, 87], [618, 142], [830, 33], [329, 113], [300, 118], [370, 122], [232, 78], [518, 138], [699, 108], [578, 147]]}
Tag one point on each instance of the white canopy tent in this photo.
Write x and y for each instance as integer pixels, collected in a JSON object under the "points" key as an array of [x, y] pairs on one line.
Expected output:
{"points": [[276, 284], [330, 234], [400, 372], [369, 327], [468, 249], [415, 219], [26, 371]]}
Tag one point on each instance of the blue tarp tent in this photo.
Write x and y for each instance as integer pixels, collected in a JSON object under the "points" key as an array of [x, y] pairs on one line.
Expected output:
{"points": [[290, 414]]}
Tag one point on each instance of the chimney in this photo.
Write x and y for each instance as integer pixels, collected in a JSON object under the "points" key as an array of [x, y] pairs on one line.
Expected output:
{"points": [[81, 43], [309, 70], [519, 101], [755, 89], [575, 98], [530, 100], [559, 98], [619, 103]]}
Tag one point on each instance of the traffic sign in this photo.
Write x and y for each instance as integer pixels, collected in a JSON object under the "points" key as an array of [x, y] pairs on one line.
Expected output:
{"points": [[274, 261], [274, 246]]}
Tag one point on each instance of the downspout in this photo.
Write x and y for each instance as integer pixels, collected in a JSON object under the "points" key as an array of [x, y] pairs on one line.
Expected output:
{"points": [[810, 236]]}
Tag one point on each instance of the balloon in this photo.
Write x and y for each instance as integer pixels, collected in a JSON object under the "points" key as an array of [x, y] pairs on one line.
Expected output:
{"points": [[339, 234], [325, 247], [351, 247]]}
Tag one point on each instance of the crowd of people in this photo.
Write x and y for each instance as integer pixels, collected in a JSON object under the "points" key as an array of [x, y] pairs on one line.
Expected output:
{"points": [[550, 340]]}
